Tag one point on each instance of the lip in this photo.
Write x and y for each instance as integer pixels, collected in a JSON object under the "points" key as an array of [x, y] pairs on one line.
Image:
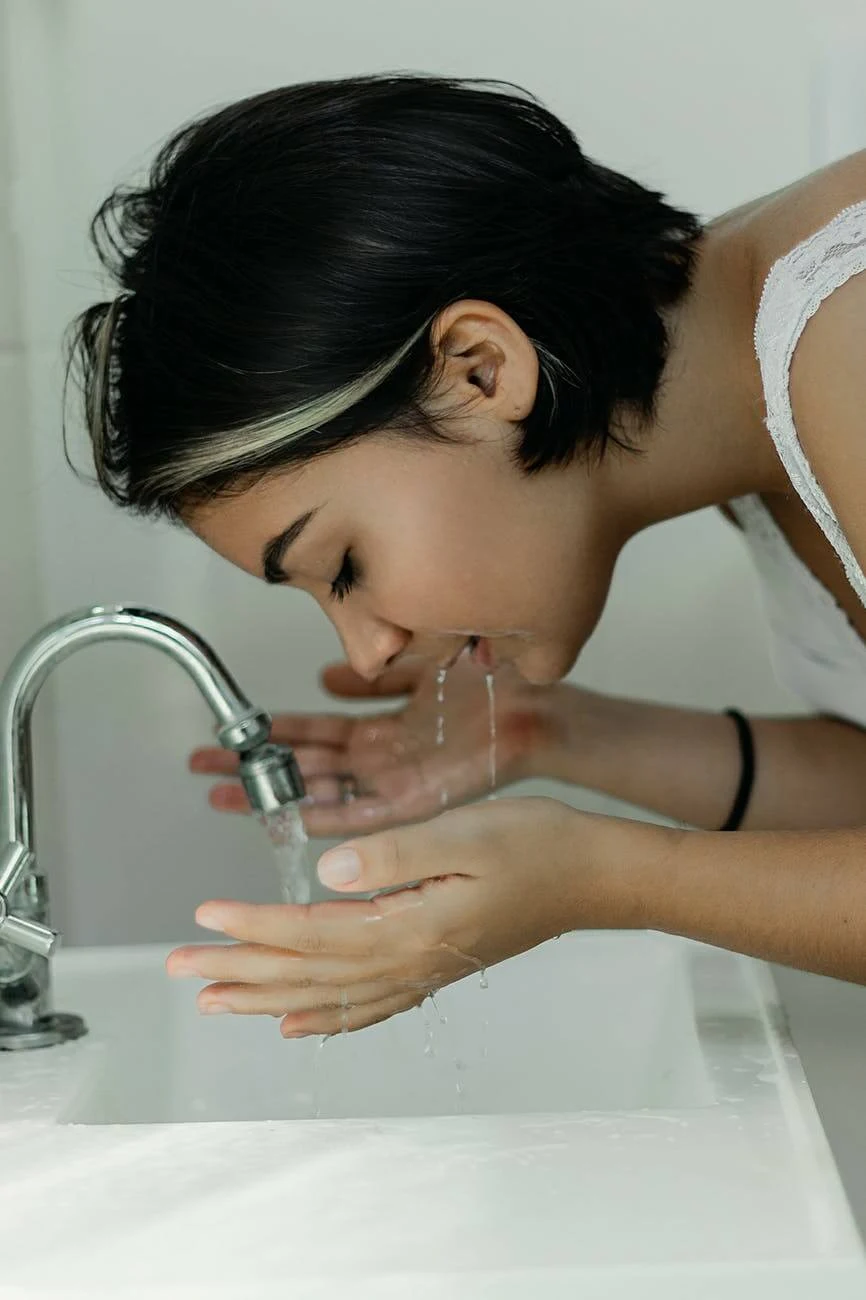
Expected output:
{"points": [[482, 653], [449, 663]]}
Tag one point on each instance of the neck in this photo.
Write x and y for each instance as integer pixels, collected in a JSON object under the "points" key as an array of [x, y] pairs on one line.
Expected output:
{"points": [[708, 442]]}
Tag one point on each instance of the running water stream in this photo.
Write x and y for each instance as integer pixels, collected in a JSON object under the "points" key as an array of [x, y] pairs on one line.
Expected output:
{"points": [[441, 676], [491, 725], [288, 835]]}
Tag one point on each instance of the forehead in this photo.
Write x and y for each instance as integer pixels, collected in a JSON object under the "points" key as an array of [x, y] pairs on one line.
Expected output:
{"points": [[238, 524]]}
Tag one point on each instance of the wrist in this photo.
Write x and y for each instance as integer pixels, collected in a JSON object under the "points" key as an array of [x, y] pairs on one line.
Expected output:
{"points": [[622, 870], [576, 734]]}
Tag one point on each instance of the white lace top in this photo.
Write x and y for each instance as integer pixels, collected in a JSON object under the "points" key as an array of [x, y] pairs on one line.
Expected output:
{"points": [[816, 650]]}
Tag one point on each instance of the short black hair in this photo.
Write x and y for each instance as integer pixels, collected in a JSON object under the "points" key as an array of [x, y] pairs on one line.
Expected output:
{"points": [[280, 270]]}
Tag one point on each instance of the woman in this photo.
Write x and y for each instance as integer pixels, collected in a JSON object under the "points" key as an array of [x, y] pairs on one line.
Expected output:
{"points": [[395, 340]]}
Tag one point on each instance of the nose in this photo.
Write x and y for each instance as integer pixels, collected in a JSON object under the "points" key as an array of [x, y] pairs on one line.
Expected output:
{"points": [[371, 644]]}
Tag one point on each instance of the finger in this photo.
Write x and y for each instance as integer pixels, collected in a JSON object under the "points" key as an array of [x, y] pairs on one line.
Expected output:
{"points": [[215, 759], [330, 820], [396, 857], [296, 729], [350, 1018], [339, 821], [397, 797], [254, 963], [341, 679], [337, 928], [313, 760], [229, 798], [285, 999]]}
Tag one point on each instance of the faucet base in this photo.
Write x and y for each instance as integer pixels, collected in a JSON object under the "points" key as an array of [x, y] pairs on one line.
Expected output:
{"points": [[46, 1032]]}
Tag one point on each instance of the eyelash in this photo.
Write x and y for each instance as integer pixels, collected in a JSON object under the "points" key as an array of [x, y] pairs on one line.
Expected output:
{"points": [[345, 579]]}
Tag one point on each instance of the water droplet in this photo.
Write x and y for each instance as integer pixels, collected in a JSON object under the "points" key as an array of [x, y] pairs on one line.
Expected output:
{"points": [[460, 1088], [464, 956], [483, 980], [440, 700], [344, 1012], [443, 1020], [429, 1049]]}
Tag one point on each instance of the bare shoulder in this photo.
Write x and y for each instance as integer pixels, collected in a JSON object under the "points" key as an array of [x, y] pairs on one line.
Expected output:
{"points": [[828, 371], [779, 221], [827, 389]]}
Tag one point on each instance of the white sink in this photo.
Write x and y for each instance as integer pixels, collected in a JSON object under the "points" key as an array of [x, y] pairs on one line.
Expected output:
{"points": [[590, 1022], [631, 1119]]}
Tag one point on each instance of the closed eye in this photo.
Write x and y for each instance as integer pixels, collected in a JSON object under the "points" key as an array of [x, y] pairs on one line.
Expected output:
{"points": [[345, 579]]}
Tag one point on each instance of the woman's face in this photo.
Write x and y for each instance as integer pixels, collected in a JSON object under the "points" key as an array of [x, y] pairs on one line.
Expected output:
{"points": [[413, 547]]}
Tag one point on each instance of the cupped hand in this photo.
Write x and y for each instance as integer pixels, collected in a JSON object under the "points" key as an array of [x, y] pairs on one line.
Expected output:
{"points": [[479, 884], [403, 766]]}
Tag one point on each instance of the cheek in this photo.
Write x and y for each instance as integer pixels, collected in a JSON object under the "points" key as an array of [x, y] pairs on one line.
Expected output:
{"points": [[495, 568], [422, 574]]}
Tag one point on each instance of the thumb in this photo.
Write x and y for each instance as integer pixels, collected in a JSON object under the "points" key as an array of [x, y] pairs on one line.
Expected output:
{"points": [[400, 856]]}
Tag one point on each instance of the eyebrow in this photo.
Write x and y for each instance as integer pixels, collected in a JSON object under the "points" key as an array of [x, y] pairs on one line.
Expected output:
{"points": [[275, 549]]}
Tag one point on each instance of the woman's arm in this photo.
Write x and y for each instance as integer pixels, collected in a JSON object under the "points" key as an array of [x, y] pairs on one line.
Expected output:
{"points": [[795, 897], [685, 764]]}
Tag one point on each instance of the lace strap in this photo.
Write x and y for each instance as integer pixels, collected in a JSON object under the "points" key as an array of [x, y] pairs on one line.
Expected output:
{"points": [[793, 291]]}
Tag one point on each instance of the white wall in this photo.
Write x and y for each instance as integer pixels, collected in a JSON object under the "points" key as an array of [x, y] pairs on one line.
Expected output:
{"points": [[712, 103], [19, 564]]}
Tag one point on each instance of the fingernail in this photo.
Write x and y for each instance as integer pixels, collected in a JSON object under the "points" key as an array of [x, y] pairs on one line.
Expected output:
{"points": [[208, 921], [339, 867], [213, 1008]]}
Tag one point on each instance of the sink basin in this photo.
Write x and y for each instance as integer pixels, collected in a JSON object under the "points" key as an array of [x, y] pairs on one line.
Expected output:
{"points": [[588, 1022], [615, 1114]]}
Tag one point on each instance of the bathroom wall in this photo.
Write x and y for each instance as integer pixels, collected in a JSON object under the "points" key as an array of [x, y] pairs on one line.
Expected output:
{"points": [[713, 104], [21, 570], [19, 561]]}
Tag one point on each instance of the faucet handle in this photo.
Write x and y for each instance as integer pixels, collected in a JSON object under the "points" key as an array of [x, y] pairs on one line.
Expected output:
{"points": [[15, 860]]}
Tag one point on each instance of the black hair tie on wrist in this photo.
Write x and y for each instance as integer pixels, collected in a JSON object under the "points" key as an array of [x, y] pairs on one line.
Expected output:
{"points": [[747, 775]]}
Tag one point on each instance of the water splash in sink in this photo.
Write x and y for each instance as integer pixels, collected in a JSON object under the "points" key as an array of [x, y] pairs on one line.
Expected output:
{"points": [[288, 835]]}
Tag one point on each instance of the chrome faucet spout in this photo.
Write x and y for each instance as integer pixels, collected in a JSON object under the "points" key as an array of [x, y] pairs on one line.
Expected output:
{"points": [[269, 773]]}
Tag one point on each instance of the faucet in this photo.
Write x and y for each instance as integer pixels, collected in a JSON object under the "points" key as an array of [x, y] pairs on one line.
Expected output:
{"points": [[269, 773]]}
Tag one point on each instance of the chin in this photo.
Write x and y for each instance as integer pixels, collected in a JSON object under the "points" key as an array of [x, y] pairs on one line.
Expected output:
{"points": [[544, 669]]}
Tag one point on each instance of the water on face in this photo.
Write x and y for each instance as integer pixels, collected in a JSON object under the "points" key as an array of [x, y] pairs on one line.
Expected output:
{"points": [[288, 835]]}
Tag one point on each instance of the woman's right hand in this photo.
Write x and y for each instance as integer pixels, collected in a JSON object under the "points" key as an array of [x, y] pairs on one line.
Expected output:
{"points": [[402, 773]]}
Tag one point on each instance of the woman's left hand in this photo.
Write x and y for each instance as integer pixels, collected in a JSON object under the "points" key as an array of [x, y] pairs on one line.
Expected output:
{"points": [[495, 879]]}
